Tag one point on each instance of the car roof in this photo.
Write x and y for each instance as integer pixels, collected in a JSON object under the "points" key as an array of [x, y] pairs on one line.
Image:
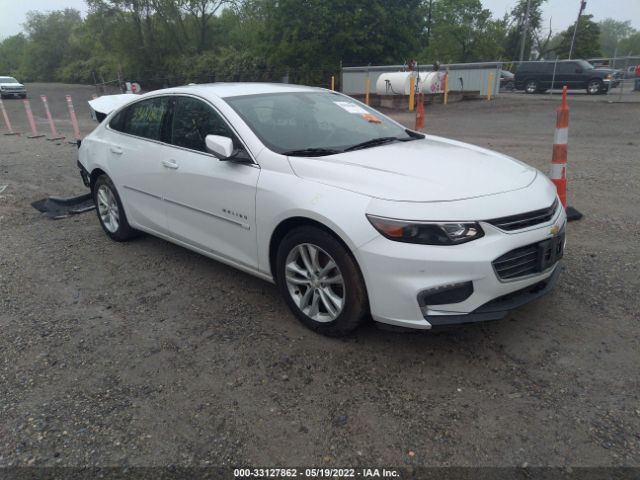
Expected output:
{"points": [[224, 90]]}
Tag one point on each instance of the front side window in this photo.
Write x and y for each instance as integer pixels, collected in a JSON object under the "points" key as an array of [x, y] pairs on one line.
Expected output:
{"points": [[142, 119], [193, 120]]}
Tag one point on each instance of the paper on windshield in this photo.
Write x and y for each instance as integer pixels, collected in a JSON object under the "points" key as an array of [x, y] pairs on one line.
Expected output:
{"points": [[351, 107]]}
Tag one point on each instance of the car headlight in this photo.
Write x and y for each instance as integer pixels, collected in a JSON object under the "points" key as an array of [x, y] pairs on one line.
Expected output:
{"points": [[426, 233]]}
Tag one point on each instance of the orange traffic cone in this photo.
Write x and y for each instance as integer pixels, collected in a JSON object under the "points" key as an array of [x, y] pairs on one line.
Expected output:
{"points": [[559, 161]]}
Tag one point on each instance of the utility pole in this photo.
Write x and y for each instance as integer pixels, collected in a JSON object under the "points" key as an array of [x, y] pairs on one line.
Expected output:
{"points": [[583, 5], [525, 30]]}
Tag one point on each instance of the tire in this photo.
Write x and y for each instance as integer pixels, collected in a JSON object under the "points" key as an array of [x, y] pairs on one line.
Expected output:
{"points": [[531, 86], [510, 87], [334, 307], [594, 87], [110, 211]]}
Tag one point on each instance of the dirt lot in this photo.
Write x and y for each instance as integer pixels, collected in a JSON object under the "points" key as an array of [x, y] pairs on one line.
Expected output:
{"points": [[147, 354]]}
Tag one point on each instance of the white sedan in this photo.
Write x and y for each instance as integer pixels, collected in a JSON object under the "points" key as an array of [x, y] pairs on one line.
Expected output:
{"points": [[352, 215]]}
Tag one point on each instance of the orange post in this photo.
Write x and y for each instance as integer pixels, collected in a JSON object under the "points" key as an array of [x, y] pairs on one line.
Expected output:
{"points": [[445, 100], [30, 119], [54, 133], [420, 112], [7, 122]]}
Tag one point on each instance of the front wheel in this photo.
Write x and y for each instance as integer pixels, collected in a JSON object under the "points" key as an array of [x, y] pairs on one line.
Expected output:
{"points": [[531, 86], [321, 281], [594, 87]]}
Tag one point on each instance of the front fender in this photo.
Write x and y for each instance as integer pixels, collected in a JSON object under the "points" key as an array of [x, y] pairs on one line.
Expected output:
{"points": [[281, 196]]}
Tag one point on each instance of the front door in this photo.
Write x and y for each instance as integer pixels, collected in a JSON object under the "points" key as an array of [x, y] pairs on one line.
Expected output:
{"points": [[210, 203]]}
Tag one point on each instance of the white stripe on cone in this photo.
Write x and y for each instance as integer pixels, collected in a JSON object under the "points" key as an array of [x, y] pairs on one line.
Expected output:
{"points": [[558, 171], [561, 136]]}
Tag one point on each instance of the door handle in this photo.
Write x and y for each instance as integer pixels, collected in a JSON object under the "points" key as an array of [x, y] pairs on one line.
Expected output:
{"points": [[116, 150], [170, 164]]}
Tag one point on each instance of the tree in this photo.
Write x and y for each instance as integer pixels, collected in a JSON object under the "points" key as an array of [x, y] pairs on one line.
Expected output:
{"points": [[611, 32], [516, 24], [631, 45], [11, 54], [587, 43], [321, 33], [463, 31], [49, 40]]}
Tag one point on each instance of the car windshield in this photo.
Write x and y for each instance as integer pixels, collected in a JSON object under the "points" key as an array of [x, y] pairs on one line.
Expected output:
{"points": [[315, 123], [8, 80]]}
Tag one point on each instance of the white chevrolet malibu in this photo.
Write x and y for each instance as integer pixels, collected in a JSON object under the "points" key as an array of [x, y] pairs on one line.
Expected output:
{"points": [[349, 213]]}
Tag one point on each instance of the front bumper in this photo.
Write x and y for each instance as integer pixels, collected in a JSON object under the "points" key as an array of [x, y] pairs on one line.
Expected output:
{"points": [[14, 93], [500, 307], [396, 274]]}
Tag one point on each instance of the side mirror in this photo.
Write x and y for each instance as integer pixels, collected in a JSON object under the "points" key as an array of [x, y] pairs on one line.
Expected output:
{"points": [[222, 147]]}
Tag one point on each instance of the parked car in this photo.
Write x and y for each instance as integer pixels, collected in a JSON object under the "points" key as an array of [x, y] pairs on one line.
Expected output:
{"points": [[507, 80], [538, 77], [630, 72], [10, 87], [347, 211]]}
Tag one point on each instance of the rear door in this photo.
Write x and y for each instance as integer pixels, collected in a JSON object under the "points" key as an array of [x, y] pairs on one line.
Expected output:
{"points": [[567, 73], [210, 203], [137, 157]]}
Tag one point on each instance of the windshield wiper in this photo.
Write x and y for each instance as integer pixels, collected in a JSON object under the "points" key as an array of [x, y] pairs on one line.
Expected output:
{"points": [[374, 142], [311, 152]]}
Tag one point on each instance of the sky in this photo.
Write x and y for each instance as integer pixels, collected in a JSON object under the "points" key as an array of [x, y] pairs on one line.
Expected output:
{"points": [[561, 12]]}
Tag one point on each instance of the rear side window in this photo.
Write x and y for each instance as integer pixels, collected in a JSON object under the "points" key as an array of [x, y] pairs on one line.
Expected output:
{"points": [[566, 68], [193, 120], [535, 67], [143, 119]]}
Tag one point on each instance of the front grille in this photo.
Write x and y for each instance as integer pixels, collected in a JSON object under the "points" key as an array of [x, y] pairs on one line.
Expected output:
{"points": [[524, 220], [531, 259], [517, 263]]}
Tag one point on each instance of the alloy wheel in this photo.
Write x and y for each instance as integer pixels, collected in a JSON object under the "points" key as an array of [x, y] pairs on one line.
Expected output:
{"points": [[108, 209], [315, 282], [593, 87], [531, 87]]}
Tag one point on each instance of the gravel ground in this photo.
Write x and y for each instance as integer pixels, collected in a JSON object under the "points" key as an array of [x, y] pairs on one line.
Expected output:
{"points": [[146, 354]]}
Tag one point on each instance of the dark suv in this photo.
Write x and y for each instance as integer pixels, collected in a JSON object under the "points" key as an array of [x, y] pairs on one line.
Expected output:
{"points": [[538, 77]]}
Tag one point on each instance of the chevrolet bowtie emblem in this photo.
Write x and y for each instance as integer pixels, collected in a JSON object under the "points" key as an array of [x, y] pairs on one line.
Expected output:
{"points": [[555, 229]]}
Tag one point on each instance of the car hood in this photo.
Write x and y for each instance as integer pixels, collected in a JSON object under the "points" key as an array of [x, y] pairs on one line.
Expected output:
{"points": [[430, 170], [606, 70], [11, 85]]}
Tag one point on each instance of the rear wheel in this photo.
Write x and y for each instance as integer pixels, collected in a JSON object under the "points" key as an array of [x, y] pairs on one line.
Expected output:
{"points": [[594, 87], [110, 211], [531, 86], [321, 281]]}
